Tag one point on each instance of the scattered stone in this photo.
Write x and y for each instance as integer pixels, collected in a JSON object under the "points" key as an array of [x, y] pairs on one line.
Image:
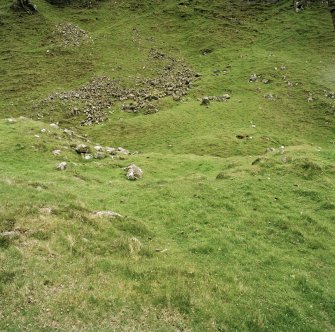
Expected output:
{"points": [[68, 132], [123, 151], [253, 78], [110, 214], [99, 155], [87, 156], [133, 172], [176, 98], [62, 166], [54, 125], [205, 101], [43, 130], [206, 51], [82, 149], [10, 235], [99, 148], [11, 120], [111, 151], [269, 96], [155, 54], [224, 97], [56, 152], [265, 81]]}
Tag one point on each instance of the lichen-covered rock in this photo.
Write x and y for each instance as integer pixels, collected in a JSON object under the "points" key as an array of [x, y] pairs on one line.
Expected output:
{"points": [[133, 172]]}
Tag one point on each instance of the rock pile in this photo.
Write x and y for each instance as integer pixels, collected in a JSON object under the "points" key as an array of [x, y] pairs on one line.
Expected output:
{"points": [[70, 34], [95, 98]]}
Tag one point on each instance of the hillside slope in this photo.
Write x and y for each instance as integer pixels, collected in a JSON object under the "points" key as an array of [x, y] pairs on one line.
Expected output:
{"points": [[230, 228]]}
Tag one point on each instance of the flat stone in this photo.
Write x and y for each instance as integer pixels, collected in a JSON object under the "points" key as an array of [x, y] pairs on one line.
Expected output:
{"points": [[111, 214]]}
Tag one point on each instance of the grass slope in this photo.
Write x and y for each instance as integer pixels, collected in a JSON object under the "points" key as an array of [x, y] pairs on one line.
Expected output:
{"points": [[218, 235]]}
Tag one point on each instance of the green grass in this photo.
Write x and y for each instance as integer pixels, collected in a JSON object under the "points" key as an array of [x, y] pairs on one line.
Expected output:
{"points": [[218, 235]]}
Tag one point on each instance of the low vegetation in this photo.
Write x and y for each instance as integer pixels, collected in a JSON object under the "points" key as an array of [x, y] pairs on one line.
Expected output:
{"points": [[229, 227]]}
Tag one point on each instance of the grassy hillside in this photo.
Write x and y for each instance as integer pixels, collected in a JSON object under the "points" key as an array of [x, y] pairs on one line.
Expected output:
{"points": [[231, 227]]}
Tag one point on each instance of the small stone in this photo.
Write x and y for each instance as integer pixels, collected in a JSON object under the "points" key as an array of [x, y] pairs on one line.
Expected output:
{"points": [[43, 130], [133, 172], [253, 78], [111, 151], [11, 120], [269, 96], [205, 101], [56, 152], [99, 155], [10, 234], [98, 148], [82, 148], [54, 125], [123, 151], [62, 166], [87, 156], [68, 132]]}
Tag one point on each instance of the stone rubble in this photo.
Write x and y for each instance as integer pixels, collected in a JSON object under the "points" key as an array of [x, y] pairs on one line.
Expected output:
{"points": [[70, 34], [94, 99]]}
